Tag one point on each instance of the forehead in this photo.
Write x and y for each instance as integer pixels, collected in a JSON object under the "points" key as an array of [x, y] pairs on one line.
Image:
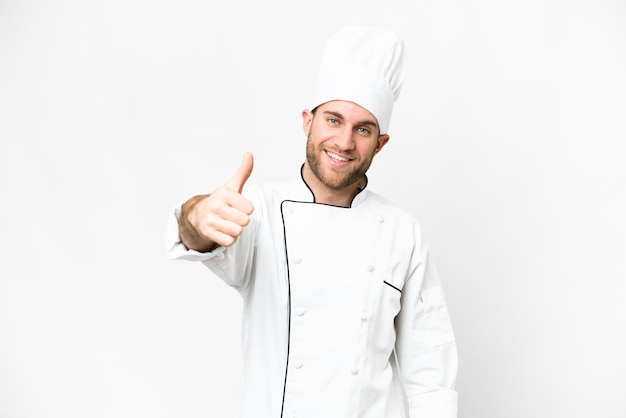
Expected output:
{"points": [[348, 111]]}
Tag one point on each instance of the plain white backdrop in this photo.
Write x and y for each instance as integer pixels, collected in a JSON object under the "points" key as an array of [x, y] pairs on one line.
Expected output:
{"points": [[507, 144]]}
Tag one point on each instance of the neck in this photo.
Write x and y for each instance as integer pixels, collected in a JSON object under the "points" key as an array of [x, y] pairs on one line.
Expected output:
{"points": [[331, 196]]}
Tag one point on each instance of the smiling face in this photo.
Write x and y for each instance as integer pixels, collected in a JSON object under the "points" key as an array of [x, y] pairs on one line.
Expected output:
{"points": [[342, 139]]}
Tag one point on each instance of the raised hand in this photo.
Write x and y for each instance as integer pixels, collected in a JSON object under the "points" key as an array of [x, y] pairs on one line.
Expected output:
{"points": [[217, 219]]}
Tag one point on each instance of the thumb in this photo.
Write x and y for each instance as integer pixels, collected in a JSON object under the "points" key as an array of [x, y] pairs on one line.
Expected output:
{"points": [[243, 173]]}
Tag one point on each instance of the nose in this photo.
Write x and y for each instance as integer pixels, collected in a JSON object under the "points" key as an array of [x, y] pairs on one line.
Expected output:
{"points": [[344, 139]]}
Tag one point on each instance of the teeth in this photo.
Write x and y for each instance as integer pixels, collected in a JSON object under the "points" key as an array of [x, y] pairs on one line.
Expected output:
{"points": [[336, 157]]}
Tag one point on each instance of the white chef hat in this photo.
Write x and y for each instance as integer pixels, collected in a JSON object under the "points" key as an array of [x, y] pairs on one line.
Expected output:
{"points": [[364, 65]]}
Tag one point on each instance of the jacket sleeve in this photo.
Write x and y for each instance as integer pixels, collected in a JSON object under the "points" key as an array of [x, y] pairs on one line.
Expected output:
{"points": [[425, 342], [233, 264]]}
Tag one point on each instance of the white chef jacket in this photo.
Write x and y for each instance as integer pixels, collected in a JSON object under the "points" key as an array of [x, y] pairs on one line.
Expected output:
{"points": [[344, 314]]}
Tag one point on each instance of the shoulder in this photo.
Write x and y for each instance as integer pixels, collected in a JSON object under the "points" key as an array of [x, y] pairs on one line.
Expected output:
{"points": [[268, 197], [404, 224], [280, 191], [379, 203]]}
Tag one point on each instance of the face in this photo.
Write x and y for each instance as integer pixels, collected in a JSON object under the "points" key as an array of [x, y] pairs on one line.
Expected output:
{"points": [[342, 139]]}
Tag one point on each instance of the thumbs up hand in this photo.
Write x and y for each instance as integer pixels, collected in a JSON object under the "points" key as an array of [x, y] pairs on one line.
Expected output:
{"points": [[209, 221]]}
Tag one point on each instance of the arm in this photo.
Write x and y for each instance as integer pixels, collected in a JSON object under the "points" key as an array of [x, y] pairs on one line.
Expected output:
{"points": [[425, 344], [214, 223]]}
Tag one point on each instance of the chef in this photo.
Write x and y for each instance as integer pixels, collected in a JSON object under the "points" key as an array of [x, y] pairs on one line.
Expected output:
{"points": [[344, 314]]}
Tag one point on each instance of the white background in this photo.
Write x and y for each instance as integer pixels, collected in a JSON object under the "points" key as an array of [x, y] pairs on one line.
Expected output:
{"points": [[506, 143]]}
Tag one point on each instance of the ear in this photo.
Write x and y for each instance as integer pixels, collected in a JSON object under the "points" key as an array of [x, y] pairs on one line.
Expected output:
{"points": [[307, 119], [382, 140]]}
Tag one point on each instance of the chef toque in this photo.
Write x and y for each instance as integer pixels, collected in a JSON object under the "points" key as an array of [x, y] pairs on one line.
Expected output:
{"points": [[364, 65]]}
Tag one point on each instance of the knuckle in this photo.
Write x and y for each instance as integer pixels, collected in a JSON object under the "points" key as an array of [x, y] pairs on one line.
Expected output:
{"points": [[237, 230], [207, 232], [229, 241]]}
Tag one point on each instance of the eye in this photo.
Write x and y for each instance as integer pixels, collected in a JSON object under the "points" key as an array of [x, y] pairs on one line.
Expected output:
{"points": [[333, 121], [363, 131]]}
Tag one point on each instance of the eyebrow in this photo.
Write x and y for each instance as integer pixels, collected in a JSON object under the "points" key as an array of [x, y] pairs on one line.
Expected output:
{"points": [[360, 123]]}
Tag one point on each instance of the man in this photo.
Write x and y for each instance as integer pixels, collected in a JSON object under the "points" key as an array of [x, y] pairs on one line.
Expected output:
{"points": [[344, 314]]}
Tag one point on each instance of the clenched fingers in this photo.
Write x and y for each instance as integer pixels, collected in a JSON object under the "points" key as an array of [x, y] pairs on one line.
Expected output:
{"points": [[222, 216]]}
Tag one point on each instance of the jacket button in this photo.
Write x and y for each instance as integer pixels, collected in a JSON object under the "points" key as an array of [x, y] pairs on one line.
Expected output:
{"points": [[370, 268], [354, 371], [300, 311], [297, 260], [298, 365], [380, 219]]}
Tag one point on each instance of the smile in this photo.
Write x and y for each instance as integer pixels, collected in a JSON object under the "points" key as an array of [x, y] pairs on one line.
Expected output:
{"points": [[337, 157]]}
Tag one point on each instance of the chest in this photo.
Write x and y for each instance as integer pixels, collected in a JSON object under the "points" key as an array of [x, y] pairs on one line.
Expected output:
{"points": [[346, 262]]}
